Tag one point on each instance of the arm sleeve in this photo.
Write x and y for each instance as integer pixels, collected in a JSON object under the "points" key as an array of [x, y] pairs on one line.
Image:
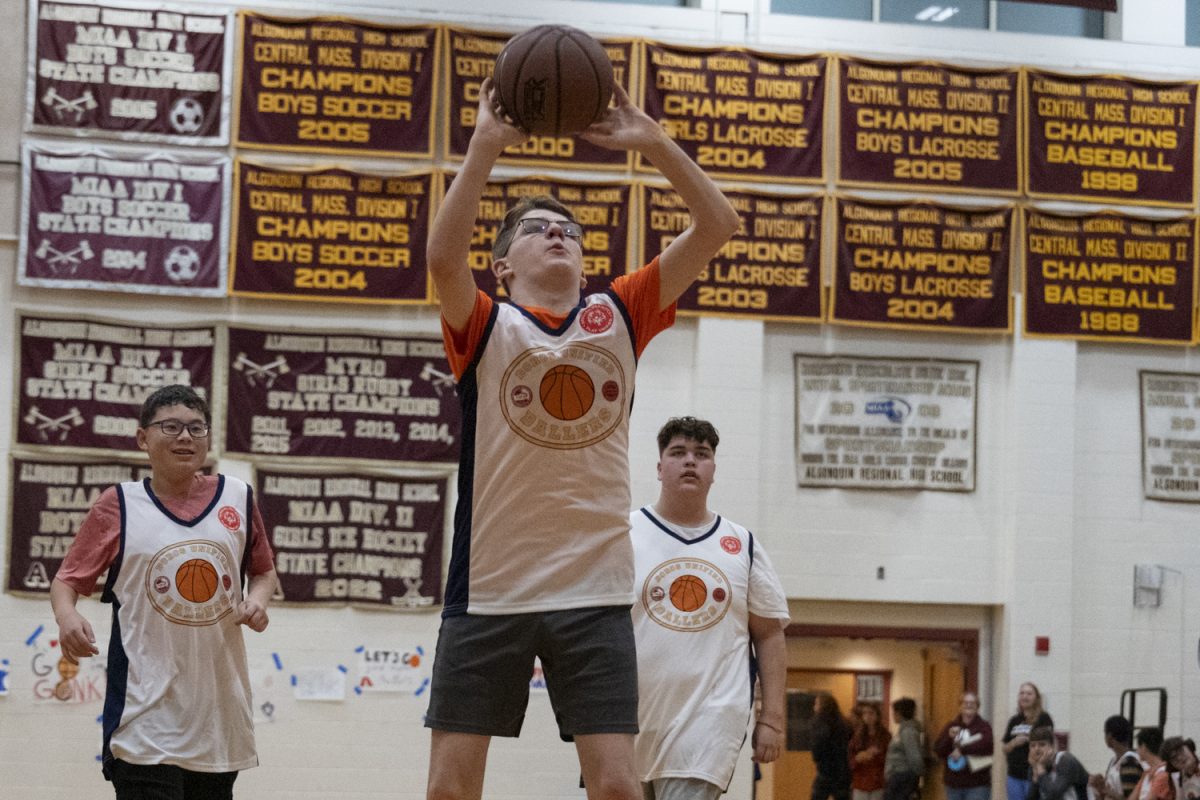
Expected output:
{"points": [[983, 746], [461, 345], [910, 738], [639, 292], [1131, 773], [1068, 772], [944, 745], [767, 598], [95, 545], [262, 558], [1161, 786], [1008, 734]]}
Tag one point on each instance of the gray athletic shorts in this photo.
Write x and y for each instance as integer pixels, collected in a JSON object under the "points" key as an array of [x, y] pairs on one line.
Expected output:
{"points": [[680, 789], [483, 665]]}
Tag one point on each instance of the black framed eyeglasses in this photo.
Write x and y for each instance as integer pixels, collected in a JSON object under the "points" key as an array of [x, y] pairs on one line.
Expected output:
{"points": [[174, 427], [541, 225]]}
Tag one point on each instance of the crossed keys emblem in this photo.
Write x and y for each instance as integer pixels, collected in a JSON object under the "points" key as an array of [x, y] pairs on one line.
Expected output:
{"points": [[68, 260], [439, 379], [268, 373], [47, 426], [61, 106]]}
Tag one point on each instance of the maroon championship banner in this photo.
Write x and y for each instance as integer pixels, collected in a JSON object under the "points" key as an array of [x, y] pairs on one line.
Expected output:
{"points": [[1095, 5], [923, 266], [82, 382], [125, 221], [770, 270], [928, 126], [124, 73], [336, 85], [472, 57], [355, 538], [1110, 277], [601, 208], [340, 395], [739, 113], [1111, 139], [331, 235], [48, 502]]}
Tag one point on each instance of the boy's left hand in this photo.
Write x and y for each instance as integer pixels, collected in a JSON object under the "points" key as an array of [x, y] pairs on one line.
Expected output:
{"points": [[252, 615]]}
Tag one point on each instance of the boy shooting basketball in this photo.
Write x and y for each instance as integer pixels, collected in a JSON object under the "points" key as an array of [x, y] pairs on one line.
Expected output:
{"points": [[176, 546], [541, 562]]}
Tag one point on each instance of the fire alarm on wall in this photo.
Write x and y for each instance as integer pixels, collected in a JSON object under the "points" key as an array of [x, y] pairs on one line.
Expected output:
{"points": [[1041, 645]]}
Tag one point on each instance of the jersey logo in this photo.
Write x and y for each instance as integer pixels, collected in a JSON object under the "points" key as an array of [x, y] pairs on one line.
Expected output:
{"points": [[731, 545], [549, 396], [686, 594], [230, 518], [189, 582], [596, 319]]}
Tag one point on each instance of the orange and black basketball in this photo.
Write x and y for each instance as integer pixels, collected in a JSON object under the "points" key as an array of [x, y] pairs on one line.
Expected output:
{"points": [[688, 593], [553, 80], [567, 392], [196, 580]]}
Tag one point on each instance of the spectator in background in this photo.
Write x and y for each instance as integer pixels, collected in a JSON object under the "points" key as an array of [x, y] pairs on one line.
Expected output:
{"points": [[965, 744], [1029, 715], [1124, 770], [830, 750], [1156, 780], [904, 763], [1056, 775], [1180, 754], [868, 753]]}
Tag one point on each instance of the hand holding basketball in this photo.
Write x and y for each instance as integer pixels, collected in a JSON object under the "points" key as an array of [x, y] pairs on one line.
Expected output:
{"points": [[251, 614], [624, 126]]}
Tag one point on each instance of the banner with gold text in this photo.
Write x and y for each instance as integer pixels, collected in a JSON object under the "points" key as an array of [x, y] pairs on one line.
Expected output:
{"points": [[330, 234], [355, 538], [1110, 277], [1170, 435], [928, 126], [923, 266], [1111, 139], [340, 395], [335, 85], [48, 502], [82, 382], [886, 423], [770, 270], [472, 55], [739, 113], [123, 220], [601, 208], [1095, 5], [146, 75]]}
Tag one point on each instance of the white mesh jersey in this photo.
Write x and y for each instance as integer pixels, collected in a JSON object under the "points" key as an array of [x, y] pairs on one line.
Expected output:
{"points": [[542, 520], [178, 686], [691, 623]]}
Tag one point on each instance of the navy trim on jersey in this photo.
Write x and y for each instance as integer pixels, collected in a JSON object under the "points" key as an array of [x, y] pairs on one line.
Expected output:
{"points": [[114, 696], [199, 517], [645, 510], [751, 549], [616, 300], [560, 330], [114, 569], [249, 538]]}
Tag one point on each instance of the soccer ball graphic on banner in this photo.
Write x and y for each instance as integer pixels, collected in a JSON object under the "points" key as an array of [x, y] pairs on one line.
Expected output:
{"points": [[182, 264], [186, 115]]}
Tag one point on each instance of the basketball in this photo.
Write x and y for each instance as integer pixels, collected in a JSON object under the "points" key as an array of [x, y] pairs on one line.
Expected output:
{"points": [[553, 80], [196, 580], [567, 392], [688, 593]]}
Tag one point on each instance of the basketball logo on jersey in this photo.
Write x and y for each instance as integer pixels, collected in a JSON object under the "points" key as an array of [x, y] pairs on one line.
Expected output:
{"points": [[564, 398], [686, 594], [596, 318], [189, 582]]}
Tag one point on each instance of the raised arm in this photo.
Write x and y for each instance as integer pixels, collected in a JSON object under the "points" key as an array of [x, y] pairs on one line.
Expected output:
{"points": [[450, 235], [713, 220]]}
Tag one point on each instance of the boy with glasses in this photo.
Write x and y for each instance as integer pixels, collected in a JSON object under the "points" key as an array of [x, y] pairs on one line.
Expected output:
{"points": [[541, 563], [177, 547]]}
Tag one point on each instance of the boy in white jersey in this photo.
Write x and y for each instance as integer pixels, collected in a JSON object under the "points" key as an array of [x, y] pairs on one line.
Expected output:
{"points": [[541, 562], [706, 591], [177, 547]]}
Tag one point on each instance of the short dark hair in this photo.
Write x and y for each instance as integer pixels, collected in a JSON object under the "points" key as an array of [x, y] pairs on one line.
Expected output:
{"points": [[1119, 728], [1151, 738], [905, 708], [698, 430], [1172, 746], [174, 395], [508, 228], [1042, 733]]}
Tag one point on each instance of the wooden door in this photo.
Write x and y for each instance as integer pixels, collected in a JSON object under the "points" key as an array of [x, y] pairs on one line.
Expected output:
{"points": [[793, 772], [945, 682]]}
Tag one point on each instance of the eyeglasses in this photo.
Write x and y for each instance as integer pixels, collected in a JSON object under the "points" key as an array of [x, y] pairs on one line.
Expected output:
{"points": [[541, 225], [173, 428]]}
